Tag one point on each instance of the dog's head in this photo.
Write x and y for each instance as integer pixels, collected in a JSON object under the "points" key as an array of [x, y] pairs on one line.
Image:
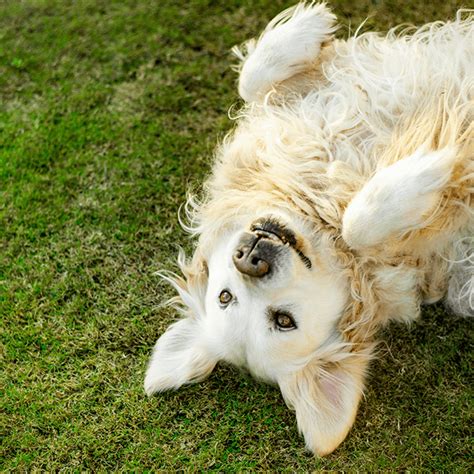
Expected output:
{"points": [[271, 298], [268, 297]]}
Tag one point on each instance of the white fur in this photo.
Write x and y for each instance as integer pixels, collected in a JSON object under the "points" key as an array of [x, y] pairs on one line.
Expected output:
{"points": [[364, 149], [398, 197], [290, 42], [460, 296]]}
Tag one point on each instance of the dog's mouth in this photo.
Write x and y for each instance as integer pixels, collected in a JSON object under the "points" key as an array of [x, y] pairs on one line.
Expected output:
{"points": [[274, 230]]}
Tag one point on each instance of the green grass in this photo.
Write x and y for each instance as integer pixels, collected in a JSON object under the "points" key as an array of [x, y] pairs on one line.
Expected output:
{"points": [[109, 111]]}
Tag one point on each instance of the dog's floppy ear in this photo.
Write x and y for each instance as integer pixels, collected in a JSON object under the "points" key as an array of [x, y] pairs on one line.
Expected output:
{"points": [[181, 354], [399, 198], [325, 399], [179, 357]]}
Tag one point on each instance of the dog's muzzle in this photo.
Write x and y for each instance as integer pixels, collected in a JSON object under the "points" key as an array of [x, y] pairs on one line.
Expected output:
{"points": [[256, 254], [257, 251]]}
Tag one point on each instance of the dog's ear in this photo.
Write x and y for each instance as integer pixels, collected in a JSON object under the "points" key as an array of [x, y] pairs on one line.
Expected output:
{"points": [[399, 198], [181, 355], [290, 45], [325, 399]]}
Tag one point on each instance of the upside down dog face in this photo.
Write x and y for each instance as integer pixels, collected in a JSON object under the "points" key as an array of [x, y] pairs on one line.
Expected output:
{"points": [[268, 299], [271, 300]]}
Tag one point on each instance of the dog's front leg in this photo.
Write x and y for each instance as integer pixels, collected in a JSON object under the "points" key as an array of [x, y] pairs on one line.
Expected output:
{"points": [[399, 198], [288, 47]]}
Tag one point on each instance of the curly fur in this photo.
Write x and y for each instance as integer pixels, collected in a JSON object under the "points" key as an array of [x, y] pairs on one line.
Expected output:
{"points": [[315, 139]]}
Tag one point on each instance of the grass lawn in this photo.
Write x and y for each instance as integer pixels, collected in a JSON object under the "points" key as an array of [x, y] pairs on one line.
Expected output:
{"points": [[109, 111]]}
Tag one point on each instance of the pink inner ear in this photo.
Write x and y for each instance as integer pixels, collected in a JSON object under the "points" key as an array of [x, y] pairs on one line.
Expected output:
{"points": [[331, 385]]}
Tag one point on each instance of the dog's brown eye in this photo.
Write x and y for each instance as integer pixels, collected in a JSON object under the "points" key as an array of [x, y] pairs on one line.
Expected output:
{"points": [[225, 297], [284, 321]]}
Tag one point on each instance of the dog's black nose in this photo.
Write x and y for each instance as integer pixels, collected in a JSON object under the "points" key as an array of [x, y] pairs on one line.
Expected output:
{"points": [[254, 255]]}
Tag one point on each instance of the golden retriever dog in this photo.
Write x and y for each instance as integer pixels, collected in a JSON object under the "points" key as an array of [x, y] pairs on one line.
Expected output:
{"points": [[342, 199]]}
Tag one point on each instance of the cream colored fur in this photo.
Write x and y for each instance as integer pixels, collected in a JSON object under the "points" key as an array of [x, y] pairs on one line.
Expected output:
{"points": [[365, 149]]}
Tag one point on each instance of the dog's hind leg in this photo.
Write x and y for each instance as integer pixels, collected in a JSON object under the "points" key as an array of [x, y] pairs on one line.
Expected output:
{"points": [[288, 47]]}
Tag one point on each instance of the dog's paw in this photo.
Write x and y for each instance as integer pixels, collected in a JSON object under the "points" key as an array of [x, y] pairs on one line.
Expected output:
{"points": [[289, 45], [398, 198]]}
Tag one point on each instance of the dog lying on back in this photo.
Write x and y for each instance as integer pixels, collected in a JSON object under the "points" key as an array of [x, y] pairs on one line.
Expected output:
{"points": [[343, 199]]}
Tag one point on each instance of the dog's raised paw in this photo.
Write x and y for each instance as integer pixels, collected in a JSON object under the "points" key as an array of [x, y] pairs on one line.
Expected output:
{"points": [[398, 198], [288, 46]]}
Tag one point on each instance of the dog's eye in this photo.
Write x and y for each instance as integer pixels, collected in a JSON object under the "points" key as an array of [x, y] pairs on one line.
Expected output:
{"points": [[284, 321], [225, 297]]}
